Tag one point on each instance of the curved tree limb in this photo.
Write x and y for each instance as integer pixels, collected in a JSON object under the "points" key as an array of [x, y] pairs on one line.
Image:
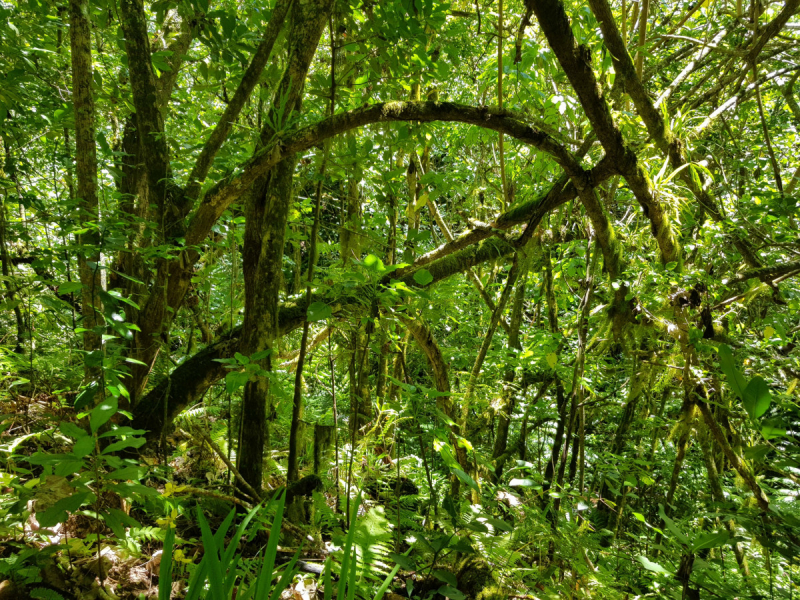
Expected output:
{"points": [[576, 62], [194, 376], [251, 76], [772, 29], [656, 125], [221, 196]]}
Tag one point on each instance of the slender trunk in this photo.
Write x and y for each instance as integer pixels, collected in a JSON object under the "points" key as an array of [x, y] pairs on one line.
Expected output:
{"points": [[265, 227], [7, 279], [719, 497], [687, 412], [643, 16], [427, 343], [501, 146], [776, 170], [86, 171], [351, 227], [580, 359], [561, 401], [292, 470], [506, 408], [733, 458], [487, 340]]}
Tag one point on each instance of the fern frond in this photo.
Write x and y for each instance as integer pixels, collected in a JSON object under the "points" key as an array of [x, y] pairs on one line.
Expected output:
{"points": [[42, 593]]}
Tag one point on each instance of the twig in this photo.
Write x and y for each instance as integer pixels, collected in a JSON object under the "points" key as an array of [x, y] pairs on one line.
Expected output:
{"points": [[252, 492], [216, 495]]}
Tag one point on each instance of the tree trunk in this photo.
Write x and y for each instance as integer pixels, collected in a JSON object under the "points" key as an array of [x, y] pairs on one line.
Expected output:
{"points": [[506, 409], [266, 216], [86, 171], [6, 270], [719, 497]]}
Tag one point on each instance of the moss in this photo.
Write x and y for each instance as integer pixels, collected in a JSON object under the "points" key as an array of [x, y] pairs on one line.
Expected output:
{"points": [[476, 581], [493, 592]]}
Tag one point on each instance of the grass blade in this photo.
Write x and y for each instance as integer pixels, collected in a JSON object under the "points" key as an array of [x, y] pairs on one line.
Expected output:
{"points": [[287, 576], [348, 542], [165, 569], [197, 580], [228, 555], [326, 579], [212, 557], [265, 576], [351, 585], [388, 581]]}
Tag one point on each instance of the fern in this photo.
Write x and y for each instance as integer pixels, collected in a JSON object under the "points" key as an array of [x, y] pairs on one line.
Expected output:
{"points": [[324, 518], [41, 593], [373, 539], [147, 534], [193, 415]]}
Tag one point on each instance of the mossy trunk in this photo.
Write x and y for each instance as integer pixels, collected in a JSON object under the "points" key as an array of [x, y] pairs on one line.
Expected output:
{"points": [[265, 227], [86, 172]]}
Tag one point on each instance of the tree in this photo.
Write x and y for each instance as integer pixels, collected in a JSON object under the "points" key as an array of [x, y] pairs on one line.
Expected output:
{"points": [[531, 252]]}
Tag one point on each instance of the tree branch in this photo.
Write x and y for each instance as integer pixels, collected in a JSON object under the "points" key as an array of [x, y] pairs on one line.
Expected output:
{"points": [[576, 62]]}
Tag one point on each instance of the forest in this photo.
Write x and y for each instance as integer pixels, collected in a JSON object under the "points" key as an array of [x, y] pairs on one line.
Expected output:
{"points": [[399, 299]]}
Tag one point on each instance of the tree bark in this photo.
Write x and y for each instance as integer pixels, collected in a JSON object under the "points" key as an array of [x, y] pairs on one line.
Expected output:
{"points": [[719, 497], [471, 249], [506, 409], [86, 174], [576, 62], [736, 462], [266, 217]]}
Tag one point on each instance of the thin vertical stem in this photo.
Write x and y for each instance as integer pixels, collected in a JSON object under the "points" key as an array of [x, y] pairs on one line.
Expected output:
{"points": [[643, 15], [501, 146]]}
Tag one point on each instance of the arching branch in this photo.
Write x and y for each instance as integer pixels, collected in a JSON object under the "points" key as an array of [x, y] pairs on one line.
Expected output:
{"points": [[576, 62]]}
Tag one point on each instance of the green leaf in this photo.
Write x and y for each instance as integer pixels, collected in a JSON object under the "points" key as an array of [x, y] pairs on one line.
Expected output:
{"points": [[373, 263], [130, 489], [735, 378], [72, 430], [446, 577], [423, 277], [126, 473], [234, 380], [132, 442], [70, 287], [121, 431], [756, 397], [466, 479], [451, 592], [672, 526], [114, 524], [101, 413], [165, 569], [83, 447], [476, 526], [318, 311], [58, 512], [773, 429], [66, 467], [407, 563], [262, 354], [86, 397], [42, 593], [651, 566], [522, 483], [710, 540], [499, 524]]}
